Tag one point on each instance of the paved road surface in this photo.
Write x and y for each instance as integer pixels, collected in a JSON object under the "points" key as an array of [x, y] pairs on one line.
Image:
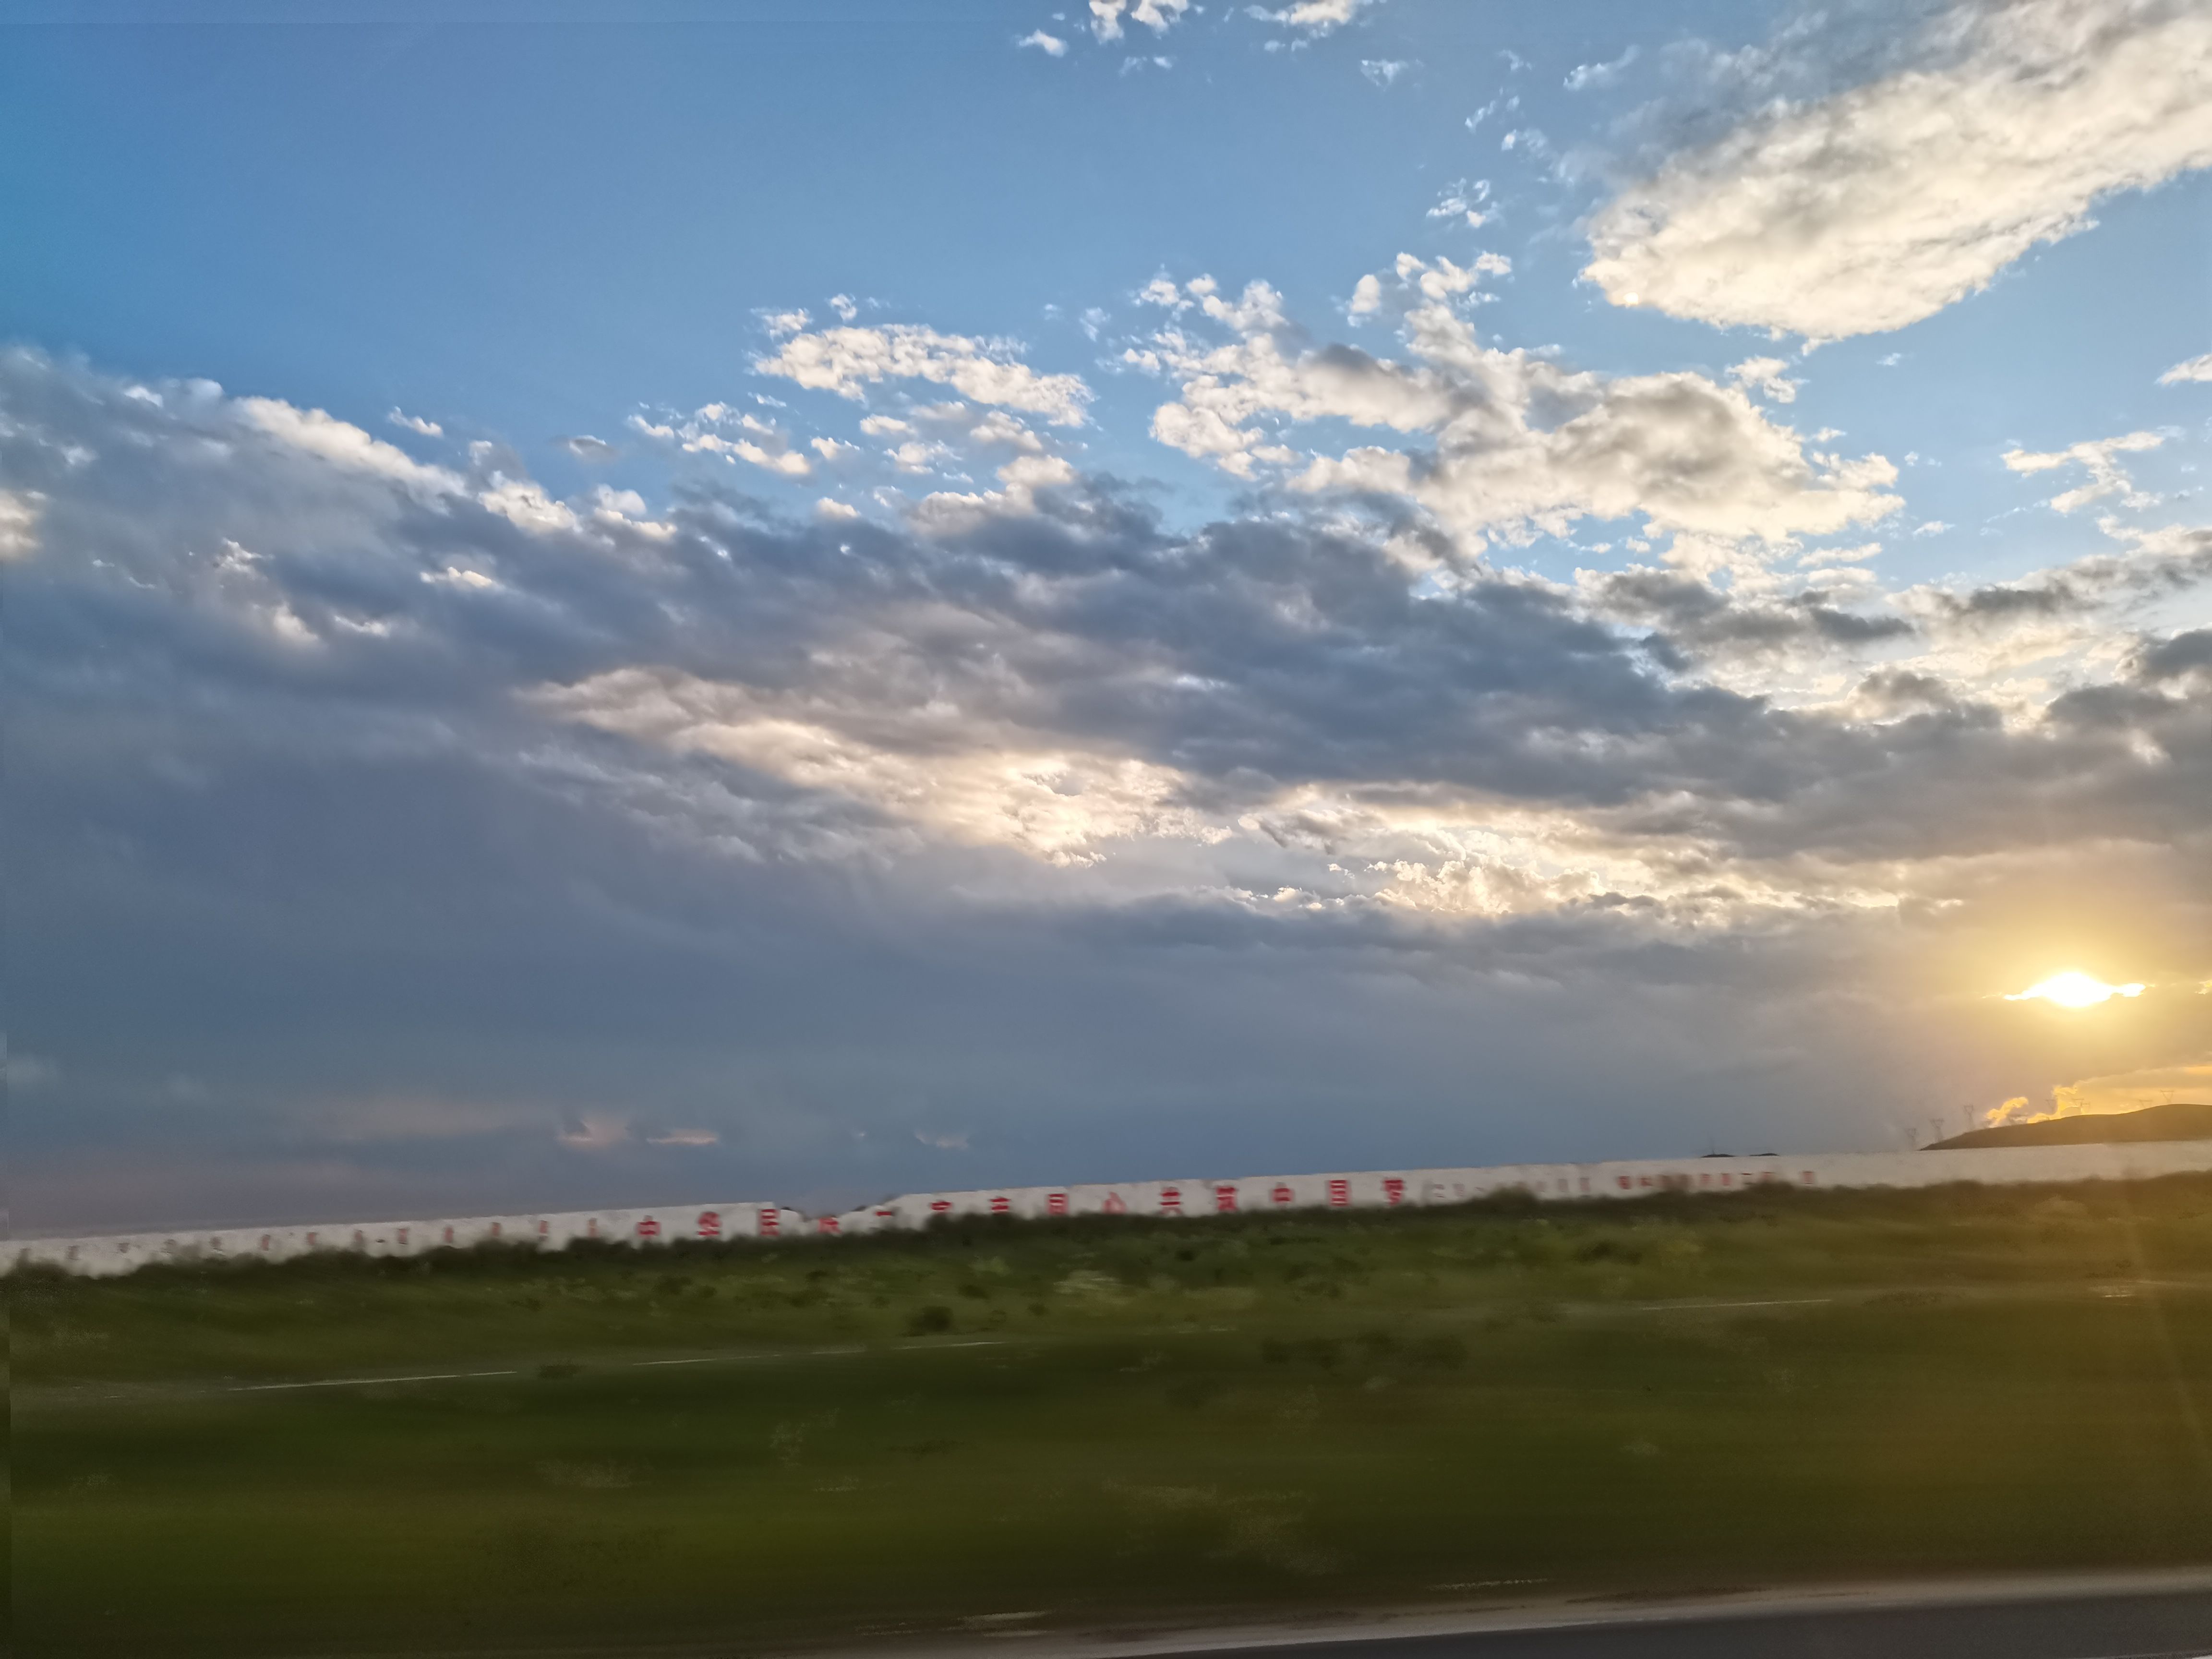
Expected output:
{"points": [[2173, 1625], [2160, 1624]]}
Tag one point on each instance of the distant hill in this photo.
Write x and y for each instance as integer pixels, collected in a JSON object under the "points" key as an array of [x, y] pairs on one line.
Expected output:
{"points": [[2181, 1120]]}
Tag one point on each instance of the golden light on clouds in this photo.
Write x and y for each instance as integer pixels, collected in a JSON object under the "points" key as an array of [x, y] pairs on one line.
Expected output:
{"points": [[2074, 990]]}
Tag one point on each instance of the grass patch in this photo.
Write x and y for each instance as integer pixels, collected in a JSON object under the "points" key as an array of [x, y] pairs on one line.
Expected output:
{"points": [[1109, 1419]]}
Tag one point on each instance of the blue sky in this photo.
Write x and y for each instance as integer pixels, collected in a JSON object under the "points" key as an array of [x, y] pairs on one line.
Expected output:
{"points": [[814, 568]]}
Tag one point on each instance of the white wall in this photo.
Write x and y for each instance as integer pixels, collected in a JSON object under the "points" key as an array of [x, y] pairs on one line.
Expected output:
{"points": [[1358, 1189]]}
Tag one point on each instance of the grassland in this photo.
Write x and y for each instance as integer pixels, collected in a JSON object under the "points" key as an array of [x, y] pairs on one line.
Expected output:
{"points": [[1102, 1422]]}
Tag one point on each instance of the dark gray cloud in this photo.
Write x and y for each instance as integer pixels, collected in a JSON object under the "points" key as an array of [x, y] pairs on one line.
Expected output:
{"points": [[340, 899], [1693, 614]]}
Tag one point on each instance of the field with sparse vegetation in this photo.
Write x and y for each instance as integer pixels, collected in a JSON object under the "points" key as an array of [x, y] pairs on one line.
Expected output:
{"points": [[1109, 1420]]}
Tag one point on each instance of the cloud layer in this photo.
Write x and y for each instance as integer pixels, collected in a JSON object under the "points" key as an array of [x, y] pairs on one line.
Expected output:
{"points": [[816, 836]]}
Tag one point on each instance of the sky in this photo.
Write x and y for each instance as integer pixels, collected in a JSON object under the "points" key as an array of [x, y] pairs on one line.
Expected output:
{"points": [[718, 602]]}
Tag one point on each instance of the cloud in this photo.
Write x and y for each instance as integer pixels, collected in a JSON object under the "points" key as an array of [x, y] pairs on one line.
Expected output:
{"points": [[1516, 445], [685, 1138], [864, 824], [524, 503], [1050, 45], [1766, 376], [1701, 619], [593, 1132], [19, 524], [2195, 370], [585, 447], [2119, 1091], [1869, 208], [1465, 200], [312, 432], [2101, 458], [415, 423], [958, 778], [735, 436], [1157, 16], [1583, 76], [1315, 17], [1383, 71], [846, 361]]}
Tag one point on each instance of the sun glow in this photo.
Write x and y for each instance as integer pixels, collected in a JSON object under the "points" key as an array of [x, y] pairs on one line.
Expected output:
{"points": [[2074, 990]]}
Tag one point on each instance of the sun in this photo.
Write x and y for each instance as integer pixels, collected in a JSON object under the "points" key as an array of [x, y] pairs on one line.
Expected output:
{"points": [[2072, 989]]}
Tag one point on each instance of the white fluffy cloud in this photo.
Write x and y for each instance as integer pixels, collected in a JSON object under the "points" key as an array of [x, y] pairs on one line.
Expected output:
{"points": [[1050, 45], [847, 361], [1157, 16], [706, 431], [1875, 207], [1768, 377], [2099, 456], [345, 445], [1313, 16], [2196, 368]]}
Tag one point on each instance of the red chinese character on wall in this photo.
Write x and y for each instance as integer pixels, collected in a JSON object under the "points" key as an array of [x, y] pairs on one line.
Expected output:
{"points": [[1283, 1194], [710, 1224], [648, 1228], [1171, 1198], [828, 1223], [940, 1206], [1114, 1205], [1224, 1199], [770, 1220], [1394, 1190], [1001, 1203], [1055, 1204], [1340, 1192]]}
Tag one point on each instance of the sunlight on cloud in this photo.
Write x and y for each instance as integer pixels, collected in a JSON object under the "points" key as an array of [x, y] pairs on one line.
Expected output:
{"points": [[1057, 804], [19, 524], [2100, 457], [2074, 989], [1878, 206], [343, 445], [1520, 445], [846, 361], [2123, 1091]]}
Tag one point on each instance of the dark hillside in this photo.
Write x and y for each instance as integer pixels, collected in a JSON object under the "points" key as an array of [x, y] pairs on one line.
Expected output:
{"points": [[2178, 1120]]}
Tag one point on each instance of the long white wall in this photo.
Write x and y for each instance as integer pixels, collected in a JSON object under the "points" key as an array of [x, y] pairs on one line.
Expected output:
{"points": [[1363, 1189]]}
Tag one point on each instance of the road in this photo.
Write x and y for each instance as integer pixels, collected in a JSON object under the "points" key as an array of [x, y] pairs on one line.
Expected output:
{"points": [[2168, 1623]]}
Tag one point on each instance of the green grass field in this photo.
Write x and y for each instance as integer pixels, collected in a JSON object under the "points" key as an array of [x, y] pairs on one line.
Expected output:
{"points": [[1104, 1422]]}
